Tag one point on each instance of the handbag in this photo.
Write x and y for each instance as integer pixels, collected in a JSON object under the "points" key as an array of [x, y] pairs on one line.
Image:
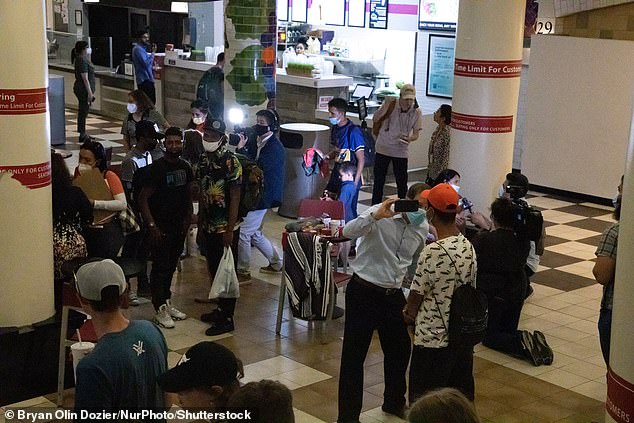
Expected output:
{"points": [[225, 284], [68, 244], [128, 221], [376, 125]]}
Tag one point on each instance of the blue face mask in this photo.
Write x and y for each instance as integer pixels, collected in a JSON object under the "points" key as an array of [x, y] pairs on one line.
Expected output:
{"points": [[417, 218], [334, 121]]}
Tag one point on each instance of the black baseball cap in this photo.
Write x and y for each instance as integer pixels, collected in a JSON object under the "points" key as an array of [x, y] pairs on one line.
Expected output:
{"points": [[204, 364], [148, 129], [214, 125]]}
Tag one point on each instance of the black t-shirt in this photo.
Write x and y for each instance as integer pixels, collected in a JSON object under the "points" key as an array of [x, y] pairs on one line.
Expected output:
{"points": [[169, 203], [501, 259]]}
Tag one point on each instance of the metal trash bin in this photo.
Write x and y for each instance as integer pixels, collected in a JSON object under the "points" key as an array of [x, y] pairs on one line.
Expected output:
{"points": [[56, 104], [297, 138]]}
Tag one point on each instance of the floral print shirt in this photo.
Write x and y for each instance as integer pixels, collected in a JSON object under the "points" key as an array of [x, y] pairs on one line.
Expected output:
{"points": [[216, 174]]}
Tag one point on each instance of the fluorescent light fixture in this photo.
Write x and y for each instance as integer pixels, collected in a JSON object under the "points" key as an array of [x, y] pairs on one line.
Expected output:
{"points": [[91, 1], [180, 7]]}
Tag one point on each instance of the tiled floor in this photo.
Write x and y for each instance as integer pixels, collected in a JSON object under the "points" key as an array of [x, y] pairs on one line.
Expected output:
{"points": [[564, 306]]}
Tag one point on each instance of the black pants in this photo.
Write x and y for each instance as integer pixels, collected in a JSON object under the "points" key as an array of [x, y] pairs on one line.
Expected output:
{"points": [[83, 107], [399, 166], [502, 334], [432, 368], [134, 247], [334, 182], [104, 242], [214, 250], [165, 255], [366, 310], [147, 87]]}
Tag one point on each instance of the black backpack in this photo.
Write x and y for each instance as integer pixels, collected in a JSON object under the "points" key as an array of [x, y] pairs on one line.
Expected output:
{"points": [[252, 185], [369, 151], [468, 314]]}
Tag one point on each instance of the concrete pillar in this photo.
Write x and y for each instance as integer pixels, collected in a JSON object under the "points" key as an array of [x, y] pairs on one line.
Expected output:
{"points": [[486, 89], [251, 31], [620, 399], [26, 249]]}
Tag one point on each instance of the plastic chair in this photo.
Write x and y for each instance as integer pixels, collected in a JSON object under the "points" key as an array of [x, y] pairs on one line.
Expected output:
{"points": [[315, 208], [70, 301]]}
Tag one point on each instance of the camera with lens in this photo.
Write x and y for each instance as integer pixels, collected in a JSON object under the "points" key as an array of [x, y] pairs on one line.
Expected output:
{"points": [[529, 221]]}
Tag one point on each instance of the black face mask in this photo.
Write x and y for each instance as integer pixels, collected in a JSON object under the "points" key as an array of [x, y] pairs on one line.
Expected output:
{"points": [[261, 129]]}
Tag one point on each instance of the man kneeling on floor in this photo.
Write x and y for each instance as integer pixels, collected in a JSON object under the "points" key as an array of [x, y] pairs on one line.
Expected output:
{"points": [[374, 300]]}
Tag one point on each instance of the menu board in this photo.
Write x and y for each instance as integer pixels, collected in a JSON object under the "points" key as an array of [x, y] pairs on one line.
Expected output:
{"points": [[299, 10], [378, 14], [336, 12], [439, 15], [440, 66], [282, 10], [356, 13]]}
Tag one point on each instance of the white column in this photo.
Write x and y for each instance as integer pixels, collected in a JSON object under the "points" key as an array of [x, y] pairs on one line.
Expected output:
{"points": [[26, 249], [486, 89], [620, 400]]}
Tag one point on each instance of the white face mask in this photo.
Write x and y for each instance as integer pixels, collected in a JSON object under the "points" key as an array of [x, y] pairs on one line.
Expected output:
{"points": [[456, 187], [132, 107], [88, 51], [84, 168], [210, 147], [198, 120]]}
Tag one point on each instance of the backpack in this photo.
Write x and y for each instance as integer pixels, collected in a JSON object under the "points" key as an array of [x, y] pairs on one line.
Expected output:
{"points": [[369, 151], [468, 315], [252, 185]]}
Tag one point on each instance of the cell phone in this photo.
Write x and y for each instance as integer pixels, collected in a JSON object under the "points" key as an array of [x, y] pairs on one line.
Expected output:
{"points": [[406, 206]]}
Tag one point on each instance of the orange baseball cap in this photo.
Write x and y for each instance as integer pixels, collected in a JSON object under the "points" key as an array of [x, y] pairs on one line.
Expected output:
{"points": [[442, 197]]}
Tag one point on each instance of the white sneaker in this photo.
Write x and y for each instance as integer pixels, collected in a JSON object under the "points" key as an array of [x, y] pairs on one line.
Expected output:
{"points": [[163, 317], [133, 299], [174, 312]]}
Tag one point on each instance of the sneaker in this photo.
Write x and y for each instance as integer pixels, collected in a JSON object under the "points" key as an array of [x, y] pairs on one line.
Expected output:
{"points": [[220, 327], [163, 317], [244, 278], [395, 411], [133, 299], [545, 351], [174, 312], [531, 350], [210, 317], [270, 269]]}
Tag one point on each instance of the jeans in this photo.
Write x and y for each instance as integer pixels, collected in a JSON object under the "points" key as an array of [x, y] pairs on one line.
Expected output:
{"points": [[147, 87], [165, 255], [399, 166], [502, 334], [214, 250], [367, 310], [250, 234], [83, 107], [605, 329], [433, 368]]}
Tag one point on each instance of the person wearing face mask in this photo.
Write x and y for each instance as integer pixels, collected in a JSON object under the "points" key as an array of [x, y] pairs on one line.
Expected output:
{"points": [[139, 107], [347, 138], [438, 153], [166, 204], [105, 238], [375, 300], [84, 87], [401, 123], [143, 60], [269, 154], [193, 147], [442, 267], [219, 177]]}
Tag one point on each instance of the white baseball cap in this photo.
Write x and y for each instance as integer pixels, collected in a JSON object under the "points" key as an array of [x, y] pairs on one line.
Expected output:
{"points": [[94, 276]]}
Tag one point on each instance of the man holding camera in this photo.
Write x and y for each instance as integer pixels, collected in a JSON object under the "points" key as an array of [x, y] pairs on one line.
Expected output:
{"points": [[375, 300]]}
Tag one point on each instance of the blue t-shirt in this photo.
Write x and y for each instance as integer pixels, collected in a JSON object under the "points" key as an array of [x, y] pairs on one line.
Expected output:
{"points": [[143, 62], [121, 371], [348, 139], [348, 196]]}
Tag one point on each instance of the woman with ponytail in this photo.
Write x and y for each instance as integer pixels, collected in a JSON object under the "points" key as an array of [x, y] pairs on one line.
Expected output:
{"points": [[84, 87]]}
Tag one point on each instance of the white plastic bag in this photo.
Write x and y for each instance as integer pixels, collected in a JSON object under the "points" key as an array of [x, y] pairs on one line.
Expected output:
{"points": [[225, 284]]}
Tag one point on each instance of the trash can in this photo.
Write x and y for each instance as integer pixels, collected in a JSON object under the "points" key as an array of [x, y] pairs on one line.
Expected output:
{"points": [[56, 104], [297, 138]]}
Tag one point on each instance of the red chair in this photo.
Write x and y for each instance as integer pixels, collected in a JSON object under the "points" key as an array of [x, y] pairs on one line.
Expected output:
{"points": [[316, 208]]}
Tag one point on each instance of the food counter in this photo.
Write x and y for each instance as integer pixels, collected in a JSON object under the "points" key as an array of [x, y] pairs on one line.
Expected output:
{"points": [[111, 91]]}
